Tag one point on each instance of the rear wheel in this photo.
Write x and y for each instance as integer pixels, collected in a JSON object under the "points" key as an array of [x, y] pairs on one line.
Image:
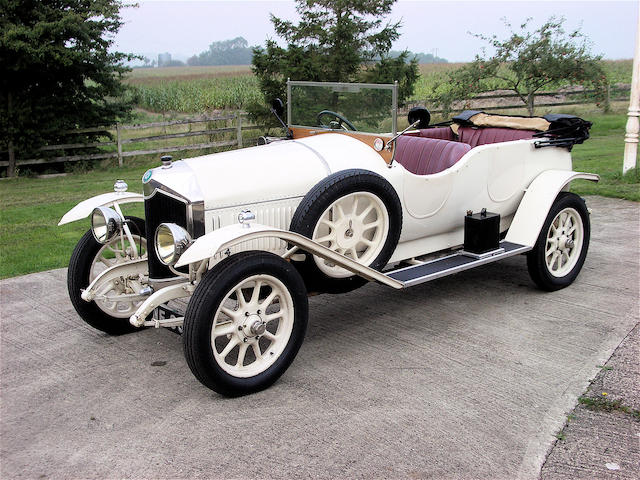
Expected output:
{"points": [[561, 248], [355, 213], [111, 313], [245, 323]]}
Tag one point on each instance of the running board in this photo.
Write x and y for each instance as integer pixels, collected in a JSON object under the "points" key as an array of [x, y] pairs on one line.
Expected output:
{"points": [[458, 262]]}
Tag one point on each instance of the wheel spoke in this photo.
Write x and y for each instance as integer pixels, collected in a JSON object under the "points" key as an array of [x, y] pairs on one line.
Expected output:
{"points": [[267, 301], [242, 303], [366, 211], [354, 210], [340, 211], [273, 316], [353, 253], [228, 312], [269, 336], [226, 328], [106, 261], [256, 350], [369, 226], [241, 353], [230, 346], [255, 295], [326, 238], [367, 242], [328, 223]]}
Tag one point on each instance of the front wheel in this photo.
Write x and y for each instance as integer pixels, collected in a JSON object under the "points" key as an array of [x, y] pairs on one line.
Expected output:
{"points": [[111, 312], [561, 248], [245, 323]]}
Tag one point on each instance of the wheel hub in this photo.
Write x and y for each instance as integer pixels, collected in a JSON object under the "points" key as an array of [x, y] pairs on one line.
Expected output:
{"points": [[565, 243], [350, 229], [253, 325]]}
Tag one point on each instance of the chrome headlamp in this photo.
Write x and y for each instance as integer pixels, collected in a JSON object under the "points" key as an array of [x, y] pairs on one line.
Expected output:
{"points": [[171, 241], [105, 224]]}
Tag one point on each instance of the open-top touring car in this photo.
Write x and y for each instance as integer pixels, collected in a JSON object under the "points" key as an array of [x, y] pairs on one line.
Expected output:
{"points": [[232, 243]]}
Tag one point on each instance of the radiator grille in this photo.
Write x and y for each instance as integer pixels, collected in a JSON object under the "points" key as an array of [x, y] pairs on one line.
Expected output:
{"points": [[159, 209]]}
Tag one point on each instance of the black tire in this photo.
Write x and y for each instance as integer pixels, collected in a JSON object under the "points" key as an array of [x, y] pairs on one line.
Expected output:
{"points": [[208, 296], [78, 278], [315, 203], [536, 260]]}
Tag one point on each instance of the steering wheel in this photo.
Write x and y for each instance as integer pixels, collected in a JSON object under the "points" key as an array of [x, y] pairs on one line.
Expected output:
{"points": [[340, 121]]}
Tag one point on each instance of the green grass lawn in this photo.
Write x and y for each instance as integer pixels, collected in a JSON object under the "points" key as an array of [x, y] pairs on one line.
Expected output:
{"points": [[31, 241]]}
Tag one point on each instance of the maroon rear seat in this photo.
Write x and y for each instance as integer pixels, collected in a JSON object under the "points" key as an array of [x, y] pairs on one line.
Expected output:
{"points": [[442, 133], [485, 135], [426, 156]]}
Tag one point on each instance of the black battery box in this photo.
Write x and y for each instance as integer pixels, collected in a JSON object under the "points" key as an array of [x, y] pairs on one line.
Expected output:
{"points": [[481, 231]]}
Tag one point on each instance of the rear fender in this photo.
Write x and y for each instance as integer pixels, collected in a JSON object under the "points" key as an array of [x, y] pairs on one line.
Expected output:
{"points": [[84, 208], [218, 241], [537, 201]]}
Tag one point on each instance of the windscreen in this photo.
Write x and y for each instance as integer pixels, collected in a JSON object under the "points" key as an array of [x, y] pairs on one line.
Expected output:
{"points": [[361, 107]]}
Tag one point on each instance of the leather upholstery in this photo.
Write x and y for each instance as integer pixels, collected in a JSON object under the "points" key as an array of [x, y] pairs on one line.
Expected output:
{"points": [[443, 133], [485, 135], [426, 156]]}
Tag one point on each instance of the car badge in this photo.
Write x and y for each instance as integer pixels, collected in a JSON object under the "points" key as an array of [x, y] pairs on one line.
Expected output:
{"points": [[147, 176]]}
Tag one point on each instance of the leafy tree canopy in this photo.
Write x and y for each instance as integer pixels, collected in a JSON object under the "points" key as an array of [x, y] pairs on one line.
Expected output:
{"points": [[227, 52], [527, 62], [58, 70], [335, 41]]}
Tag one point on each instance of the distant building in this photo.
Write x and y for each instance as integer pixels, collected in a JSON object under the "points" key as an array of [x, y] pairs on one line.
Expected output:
{"points": [[164, 59]]}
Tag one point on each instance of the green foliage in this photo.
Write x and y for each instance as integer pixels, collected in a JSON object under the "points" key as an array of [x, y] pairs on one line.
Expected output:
{"points": [[198, 95], [59, 72], [335, 41], [226, 52], [528, 62]]}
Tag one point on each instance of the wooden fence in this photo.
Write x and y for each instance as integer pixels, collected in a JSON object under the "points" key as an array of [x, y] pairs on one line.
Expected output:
{"points": [[118, 137], [490, 101]]}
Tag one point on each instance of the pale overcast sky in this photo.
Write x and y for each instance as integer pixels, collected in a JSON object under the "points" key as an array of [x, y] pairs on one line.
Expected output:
{"points": [[184, 28]]}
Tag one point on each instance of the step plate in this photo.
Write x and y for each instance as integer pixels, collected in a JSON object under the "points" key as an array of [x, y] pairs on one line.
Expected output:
{"points": [[458, 262]]}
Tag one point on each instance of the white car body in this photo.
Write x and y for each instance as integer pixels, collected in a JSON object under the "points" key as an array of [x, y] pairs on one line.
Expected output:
{"points": [[212, 198]]}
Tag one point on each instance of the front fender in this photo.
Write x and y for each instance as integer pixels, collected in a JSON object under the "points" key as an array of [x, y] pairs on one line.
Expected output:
{"points": [[537, 201], [220, 240], [84, 208]]}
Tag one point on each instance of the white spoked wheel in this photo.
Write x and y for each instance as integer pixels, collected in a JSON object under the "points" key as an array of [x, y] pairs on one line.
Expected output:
{"points": [[252, 326], [355, 226], [110, 311], [245, 322], [564, 242], [115, 252], [561, 248]]}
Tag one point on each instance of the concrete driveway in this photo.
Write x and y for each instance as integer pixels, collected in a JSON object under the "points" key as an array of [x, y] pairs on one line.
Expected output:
{"points": [[466, 377]]}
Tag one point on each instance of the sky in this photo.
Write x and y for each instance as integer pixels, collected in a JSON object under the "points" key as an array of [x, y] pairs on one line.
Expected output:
{"points": [[185, 28]]}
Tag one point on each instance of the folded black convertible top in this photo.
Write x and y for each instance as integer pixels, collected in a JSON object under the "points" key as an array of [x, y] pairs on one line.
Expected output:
{"points": [[554, 129]]}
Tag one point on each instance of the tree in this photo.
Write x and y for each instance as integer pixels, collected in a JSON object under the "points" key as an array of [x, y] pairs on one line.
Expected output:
{"points": [[58, 70], [526, 63], [336, 41], [226, 52]]}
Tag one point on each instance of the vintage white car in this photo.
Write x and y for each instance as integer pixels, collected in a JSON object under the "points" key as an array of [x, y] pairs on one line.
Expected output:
{"points": [[233, 243]]}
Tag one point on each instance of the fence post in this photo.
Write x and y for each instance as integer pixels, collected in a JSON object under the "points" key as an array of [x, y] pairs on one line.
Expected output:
{"points": [[11, 169], [239, 127], [119, 142]]}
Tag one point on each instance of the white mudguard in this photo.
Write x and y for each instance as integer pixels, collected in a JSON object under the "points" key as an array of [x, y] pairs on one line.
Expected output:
{"points": [[218, 241], [537, 201], [84, 208]]}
